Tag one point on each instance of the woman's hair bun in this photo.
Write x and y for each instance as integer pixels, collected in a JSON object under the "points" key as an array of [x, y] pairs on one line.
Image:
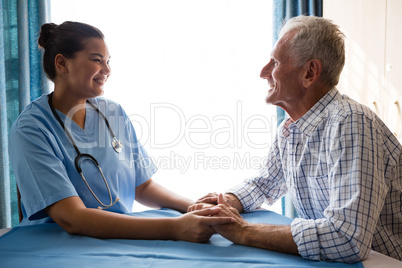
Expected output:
{"points": [[66, 39], [46, 33]]}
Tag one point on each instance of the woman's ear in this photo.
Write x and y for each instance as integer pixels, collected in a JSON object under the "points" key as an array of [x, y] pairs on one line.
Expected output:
{"points": [[61, 64], [313, 70]]}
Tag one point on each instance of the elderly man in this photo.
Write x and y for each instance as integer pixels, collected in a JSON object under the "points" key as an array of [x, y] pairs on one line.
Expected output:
{"points": [[338, 161]]}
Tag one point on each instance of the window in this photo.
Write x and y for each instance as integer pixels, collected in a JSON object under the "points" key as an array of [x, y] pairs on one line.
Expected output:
{"points": [[187, 74]]}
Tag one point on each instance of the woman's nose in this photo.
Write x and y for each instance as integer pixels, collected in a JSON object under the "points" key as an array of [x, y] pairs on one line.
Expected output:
{"points": [[106, 70]]}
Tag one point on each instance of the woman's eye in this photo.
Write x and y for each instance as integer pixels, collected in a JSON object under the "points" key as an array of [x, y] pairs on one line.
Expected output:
{"points": [[96, 60]]}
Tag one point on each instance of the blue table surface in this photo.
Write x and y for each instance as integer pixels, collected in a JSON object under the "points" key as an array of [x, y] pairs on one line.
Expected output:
{"points": [[48, 245]]}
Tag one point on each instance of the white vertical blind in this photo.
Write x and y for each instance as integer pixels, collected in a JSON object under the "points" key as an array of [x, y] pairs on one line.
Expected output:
{"points": [[187, 74]]}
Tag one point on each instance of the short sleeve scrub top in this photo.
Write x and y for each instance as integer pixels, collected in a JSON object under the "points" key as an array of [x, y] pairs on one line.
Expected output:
{"points": [[42, 158]]}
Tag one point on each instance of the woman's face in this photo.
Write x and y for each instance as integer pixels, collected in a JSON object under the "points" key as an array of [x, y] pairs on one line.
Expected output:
{"points": [[89, 70]]}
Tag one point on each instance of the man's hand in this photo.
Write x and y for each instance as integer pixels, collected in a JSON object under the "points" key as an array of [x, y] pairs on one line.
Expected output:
{"points": [[233, 231], [211, 200], [207, 201], [266, 236]]}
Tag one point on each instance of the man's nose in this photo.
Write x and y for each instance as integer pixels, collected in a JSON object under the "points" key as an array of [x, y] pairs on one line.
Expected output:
{"points": [[266, 71]]}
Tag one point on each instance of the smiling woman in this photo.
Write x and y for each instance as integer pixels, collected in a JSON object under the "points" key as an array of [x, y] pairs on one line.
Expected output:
{"points": [[91, 68], [187, 74]]}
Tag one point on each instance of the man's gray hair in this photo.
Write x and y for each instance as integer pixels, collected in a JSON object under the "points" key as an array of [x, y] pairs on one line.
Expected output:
{"points": [[317, 38]]}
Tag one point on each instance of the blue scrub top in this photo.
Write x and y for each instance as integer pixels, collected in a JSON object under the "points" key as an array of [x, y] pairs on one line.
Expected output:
{"points": [[42, 158]]}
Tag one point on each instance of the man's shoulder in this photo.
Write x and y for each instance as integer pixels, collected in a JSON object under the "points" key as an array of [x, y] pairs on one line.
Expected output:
{"points": [[343, 107]]}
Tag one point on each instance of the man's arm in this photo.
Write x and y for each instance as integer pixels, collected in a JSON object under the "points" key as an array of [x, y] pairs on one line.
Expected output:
{"points": [[354, 192], [266, 236]]}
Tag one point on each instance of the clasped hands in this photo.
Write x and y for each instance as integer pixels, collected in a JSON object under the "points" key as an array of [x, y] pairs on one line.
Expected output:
{"points": [[224, 205]]}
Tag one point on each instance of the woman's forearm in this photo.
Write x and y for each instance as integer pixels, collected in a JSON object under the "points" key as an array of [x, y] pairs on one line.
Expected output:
{"points": [[72, 215], [155, 195], [104, 224]]}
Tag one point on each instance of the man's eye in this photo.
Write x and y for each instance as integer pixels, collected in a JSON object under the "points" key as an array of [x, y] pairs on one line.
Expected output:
{"points": [[96, 60]]}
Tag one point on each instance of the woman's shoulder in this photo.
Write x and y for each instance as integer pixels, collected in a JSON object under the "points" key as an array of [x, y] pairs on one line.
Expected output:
{"points": [[34, 112]]}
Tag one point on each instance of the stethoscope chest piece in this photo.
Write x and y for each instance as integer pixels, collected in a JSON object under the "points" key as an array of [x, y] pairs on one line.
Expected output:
{"points": [[117, 145]]}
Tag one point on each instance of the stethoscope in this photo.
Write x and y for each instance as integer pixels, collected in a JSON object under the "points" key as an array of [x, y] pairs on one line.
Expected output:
{"points": [[116, 144]]}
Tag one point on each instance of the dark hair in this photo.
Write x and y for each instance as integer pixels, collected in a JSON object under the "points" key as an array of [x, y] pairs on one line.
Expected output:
{"points": [[66, 39]]}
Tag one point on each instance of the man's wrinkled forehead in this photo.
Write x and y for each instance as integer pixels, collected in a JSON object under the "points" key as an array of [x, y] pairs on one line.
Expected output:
{"points": [[283, 41]]}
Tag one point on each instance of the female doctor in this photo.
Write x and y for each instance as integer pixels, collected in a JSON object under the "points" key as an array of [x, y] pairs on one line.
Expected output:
{"points": [[76, 157]]}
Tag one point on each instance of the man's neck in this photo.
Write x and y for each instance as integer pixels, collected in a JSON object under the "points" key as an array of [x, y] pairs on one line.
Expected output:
{"points": [[312, 96]]}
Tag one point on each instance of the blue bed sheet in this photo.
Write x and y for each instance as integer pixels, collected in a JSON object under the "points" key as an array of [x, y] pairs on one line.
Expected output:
{"points": [[48, 245]]}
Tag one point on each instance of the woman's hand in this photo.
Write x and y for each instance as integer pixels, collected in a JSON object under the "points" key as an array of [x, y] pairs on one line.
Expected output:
{"points": [[198, 226]]}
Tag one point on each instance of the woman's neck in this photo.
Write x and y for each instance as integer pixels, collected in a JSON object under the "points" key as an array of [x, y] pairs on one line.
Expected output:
{"points": [[72, 107]]}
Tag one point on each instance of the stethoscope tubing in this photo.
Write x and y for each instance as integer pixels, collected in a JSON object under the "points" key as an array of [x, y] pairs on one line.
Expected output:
{"points": [[116, 144]]}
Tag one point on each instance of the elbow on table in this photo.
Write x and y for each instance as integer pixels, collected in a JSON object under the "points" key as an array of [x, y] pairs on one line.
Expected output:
{"points": [[74, 225], [357, 252], [360, 256], [70, 228], [76, 230]]}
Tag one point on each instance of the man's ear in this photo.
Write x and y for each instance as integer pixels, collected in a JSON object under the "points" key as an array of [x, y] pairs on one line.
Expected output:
{"points": [[61, 64], [313, 70]]}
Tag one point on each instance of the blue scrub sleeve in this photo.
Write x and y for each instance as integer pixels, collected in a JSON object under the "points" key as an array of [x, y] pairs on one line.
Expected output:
{"points": [[39, 170]]}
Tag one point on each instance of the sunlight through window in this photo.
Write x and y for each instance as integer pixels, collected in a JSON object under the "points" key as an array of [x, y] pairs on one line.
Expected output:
{"points": [[187, 74]]}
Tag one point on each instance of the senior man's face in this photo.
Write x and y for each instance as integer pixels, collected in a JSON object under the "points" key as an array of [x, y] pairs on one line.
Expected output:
{"points": [[282, 76]]}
